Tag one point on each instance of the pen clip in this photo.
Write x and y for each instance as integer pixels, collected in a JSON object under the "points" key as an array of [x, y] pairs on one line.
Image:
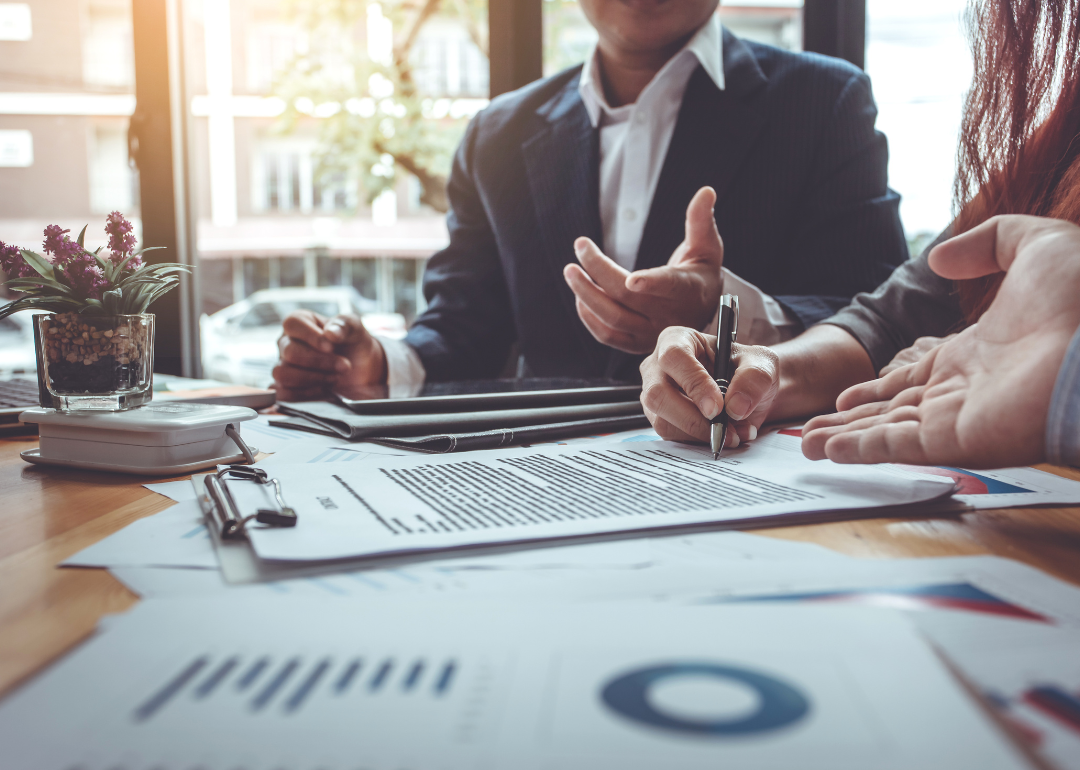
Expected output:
{"points": [[729, 301]]}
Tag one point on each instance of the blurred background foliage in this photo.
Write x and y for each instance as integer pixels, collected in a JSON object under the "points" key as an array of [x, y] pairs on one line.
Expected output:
{"points": [[356, 72]]}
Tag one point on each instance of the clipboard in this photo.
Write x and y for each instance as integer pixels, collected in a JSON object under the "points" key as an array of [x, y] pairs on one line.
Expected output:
{"points": [[224, 515]]}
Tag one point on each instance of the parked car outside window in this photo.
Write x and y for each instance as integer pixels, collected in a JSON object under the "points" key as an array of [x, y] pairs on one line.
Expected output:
{"points": [[239, 343]]}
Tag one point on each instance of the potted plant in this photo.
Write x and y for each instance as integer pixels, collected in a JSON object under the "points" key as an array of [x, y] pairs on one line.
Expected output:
{"points": [[95, 343]]}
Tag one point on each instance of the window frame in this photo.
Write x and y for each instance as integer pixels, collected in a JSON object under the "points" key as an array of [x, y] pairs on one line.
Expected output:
{"points": [[836, 28], [157, 136]]}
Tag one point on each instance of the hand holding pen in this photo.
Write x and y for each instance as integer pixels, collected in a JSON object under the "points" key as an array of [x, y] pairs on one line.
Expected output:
{"points": [[681, 396]]}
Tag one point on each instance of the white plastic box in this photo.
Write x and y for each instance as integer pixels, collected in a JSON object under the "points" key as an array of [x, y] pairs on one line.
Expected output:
{"points": [[157, 439]]}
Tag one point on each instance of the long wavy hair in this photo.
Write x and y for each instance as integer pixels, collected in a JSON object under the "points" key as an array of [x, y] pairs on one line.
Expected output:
{"points": [[1020, 136]]}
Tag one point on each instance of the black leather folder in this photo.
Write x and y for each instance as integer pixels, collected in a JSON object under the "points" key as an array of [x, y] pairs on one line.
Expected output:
{"points": [[335, 419]]}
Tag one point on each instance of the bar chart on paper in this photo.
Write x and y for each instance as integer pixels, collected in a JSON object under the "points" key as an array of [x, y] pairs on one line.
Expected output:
{"points": [[1029, 673], [1047, 716], [1044, 709], [943, 596], [972, 588], [287, 707], [254, 685]]}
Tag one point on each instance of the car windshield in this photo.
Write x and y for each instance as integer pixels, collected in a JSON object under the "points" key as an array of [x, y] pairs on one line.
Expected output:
{"points": [[273, 313], [327, 309]]}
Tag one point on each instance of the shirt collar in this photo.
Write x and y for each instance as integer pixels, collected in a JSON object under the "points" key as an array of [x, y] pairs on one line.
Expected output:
{"points": [[707, 46]]}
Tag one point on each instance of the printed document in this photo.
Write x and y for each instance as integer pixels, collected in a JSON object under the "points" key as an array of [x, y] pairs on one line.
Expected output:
{"points": [[385, 505]]}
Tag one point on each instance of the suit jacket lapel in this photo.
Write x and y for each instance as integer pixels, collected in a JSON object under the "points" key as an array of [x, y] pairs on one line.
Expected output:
{"points": [[562, 162], [712, 135]]}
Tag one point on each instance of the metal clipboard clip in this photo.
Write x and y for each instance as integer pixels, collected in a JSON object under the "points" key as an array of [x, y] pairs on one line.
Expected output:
{"points": [[224, 512]]}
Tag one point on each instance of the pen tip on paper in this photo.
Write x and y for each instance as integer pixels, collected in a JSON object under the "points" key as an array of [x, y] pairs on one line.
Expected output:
{"points": [[716, 455]]}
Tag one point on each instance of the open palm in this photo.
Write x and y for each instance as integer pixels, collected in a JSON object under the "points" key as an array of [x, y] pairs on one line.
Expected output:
{"points": [[980, 399], [629, 310]]}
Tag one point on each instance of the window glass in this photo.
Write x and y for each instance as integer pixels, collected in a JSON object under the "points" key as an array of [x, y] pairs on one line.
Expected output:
{"points": [[66, 93], [322, 135], [568, 37], [920, 63]]}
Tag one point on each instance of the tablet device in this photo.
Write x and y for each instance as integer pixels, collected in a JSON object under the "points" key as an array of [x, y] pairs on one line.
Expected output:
{"points": [[488, 395]]}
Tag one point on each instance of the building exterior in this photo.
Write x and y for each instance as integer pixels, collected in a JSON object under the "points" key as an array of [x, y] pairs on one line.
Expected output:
{"points": [[66, 91]]}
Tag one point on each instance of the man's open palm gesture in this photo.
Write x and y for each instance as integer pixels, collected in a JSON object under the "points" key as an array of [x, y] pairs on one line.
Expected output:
{"points": [[981, 399], [629, 310]]}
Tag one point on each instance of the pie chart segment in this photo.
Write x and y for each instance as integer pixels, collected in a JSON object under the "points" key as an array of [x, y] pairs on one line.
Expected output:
{"points": [[775, 703]]}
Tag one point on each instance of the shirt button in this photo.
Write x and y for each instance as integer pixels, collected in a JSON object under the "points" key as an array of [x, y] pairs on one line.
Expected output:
{"points": [[629, 215]]}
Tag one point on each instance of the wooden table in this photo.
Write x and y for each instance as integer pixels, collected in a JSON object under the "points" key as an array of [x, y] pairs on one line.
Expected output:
{"points": [[47, 515]]}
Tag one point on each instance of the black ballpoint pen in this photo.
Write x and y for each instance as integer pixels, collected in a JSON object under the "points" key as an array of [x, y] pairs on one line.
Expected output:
{"points": [[727, 324]]}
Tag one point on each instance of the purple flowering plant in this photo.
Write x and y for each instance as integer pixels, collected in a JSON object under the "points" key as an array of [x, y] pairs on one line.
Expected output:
{"points": [[70, 279]]}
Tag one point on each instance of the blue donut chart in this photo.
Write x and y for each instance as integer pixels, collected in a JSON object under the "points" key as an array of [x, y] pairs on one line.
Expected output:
{"points": [[781, 703]]}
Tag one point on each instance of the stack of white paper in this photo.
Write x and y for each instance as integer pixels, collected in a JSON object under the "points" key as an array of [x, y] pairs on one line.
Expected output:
{"points": [[177, 538], [604, 648]]}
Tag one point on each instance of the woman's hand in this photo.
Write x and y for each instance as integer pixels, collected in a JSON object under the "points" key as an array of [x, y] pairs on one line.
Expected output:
{"points": [[981, 399], [913, 354]]}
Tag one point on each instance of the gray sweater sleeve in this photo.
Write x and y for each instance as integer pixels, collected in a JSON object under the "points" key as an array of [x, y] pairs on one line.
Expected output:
{"points": [[1063, 420], [914, 302]]}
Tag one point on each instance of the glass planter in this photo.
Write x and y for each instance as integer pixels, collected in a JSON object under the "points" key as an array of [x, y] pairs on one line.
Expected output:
{"points": [[93, 362]]}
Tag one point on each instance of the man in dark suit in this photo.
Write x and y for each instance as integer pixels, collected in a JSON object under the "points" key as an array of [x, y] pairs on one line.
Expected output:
{"points": [[671, 114]]}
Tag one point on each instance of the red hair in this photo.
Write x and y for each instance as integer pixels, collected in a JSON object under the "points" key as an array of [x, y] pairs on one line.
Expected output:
{"points": [[1020, 136]]}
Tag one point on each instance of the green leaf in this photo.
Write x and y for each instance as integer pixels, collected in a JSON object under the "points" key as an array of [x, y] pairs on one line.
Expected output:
{"points": [[14, 307], [81, 240], [17, 282], [62, 278], [170, 275], [22, 284], [51, 304], [153, 273], [139, 271], [123, 263], [112, 302], [155, 294], [42, 266], [134, 298], [162, 268]]}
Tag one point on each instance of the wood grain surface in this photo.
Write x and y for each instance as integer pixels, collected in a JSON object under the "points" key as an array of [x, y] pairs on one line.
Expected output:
{"points": [[48, 514]]}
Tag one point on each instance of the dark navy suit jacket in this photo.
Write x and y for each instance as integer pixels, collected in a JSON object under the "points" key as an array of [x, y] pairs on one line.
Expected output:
{"points": [[803, 207]]}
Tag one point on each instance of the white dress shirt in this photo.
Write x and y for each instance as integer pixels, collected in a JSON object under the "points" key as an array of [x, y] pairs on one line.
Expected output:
{"points": [[634, 141]]}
